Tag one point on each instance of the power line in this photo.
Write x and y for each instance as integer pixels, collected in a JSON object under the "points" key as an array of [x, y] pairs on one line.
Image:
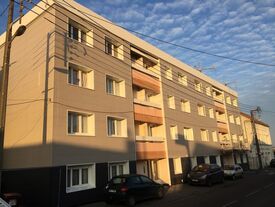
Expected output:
{"points": [[4, 11], [65, 30], [177, 45]]}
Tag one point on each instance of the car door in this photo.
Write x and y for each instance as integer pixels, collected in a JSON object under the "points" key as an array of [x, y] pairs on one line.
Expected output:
{"points": [[135, 186], [149, 187]]}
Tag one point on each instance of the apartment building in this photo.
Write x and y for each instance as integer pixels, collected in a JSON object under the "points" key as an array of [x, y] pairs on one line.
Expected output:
{"points": [[264, 138], [88, 100]]}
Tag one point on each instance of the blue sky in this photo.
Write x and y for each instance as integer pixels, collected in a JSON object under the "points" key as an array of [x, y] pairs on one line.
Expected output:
{"points": [[235, 28]]}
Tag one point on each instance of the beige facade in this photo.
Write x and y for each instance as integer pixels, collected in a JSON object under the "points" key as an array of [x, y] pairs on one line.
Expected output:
{"points": [[95, 98], [264, 138]]}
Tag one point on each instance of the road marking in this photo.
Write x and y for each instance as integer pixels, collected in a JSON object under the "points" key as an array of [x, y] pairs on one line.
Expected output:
{"points": [[267, 186], [229, 204], [252, 193]]}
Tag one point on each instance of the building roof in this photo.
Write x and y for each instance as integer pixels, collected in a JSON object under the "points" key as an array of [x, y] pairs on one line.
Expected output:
{"points": [[83, 12], [256, 121]]}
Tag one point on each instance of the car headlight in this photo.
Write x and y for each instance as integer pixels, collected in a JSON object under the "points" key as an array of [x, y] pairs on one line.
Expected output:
{"points": [[203, 177]]}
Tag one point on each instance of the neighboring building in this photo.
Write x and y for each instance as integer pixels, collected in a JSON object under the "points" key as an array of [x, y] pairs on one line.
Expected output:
{"points": [[264, 138], [87, 102]]}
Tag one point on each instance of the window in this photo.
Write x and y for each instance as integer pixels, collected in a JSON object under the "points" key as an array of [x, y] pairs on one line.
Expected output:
{"points": [[81, 124], [234, 138], [235, 102], [201, 110], [182, 79], [241, 138], [211, 113], [185, 106], [80, 177], [208, 91], [238, 121], [80, 33], [80, 76], [118, 168], [171, 102], [207, 160], [113, 48], [117, 127], [244, 158], [204, 135], [231, 119], [168, 73], [115, 86], [218, 160], [214, 136], [174, 132], [228, 100], [193, 162], [177, 165], [188, 133], [77, 33], [198, 86]]}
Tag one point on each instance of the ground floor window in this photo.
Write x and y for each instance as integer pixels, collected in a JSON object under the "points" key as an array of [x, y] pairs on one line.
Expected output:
{"points": [[118, 168], [218, 160], [206, 160], [80, 177], [244, 159], [193, 162], [177, 165]]}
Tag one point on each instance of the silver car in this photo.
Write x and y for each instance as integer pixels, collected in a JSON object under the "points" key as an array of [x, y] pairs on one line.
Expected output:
{"points": [[233, 171]]}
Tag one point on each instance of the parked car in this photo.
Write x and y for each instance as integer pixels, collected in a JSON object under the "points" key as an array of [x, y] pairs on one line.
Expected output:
{"points": [[233, 171], [206, 174], [272, 163], [132, 188]]}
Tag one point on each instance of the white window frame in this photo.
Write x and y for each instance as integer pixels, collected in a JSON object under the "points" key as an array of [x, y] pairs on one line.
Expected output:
{"points": [[198, 86], [90, 123], [117, 88], [116, 48], [171, 102], [185, 106], [91, 177], [119, 123], [201, 110], [188, 133], [214, 136], [235, 102], [87, 82], [228, 100], [125, 165], [238, 120], [204, 135], [177, 165], [231, 119], [182, 79], [173, 129], [211, 113], [208, 91]]}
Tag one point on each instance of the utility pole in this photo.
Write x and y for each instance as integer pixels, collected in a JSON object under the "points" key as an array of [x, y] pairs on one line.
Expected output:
{"points": [[255, 136], [4, 83]]}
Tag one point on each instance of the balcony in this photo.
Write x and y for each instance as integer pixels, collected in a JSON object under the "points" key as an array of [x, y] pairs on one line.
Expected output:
{"points": [[147, 114], [222, 127], [219, 106], [149, 150], [150, 139], [236, 146], [147, 103], [138, 66], [145, 81]]}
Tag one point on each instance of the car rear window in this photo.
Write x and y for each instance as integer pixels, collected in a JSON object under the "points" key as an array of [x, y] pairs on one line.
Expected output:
{"points": [[118, 180]]}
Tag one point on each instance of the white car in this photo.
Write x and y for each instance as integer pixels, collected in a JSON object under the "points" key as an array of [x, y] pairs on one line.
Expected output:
{"points": [[233, 171]]}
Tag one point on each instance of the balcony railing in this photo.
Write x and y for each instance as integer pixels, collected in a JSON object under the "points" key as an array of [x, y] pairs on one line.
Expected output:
{"points": [[145, 81], [143, 69], [226, 145], [222, 127], [147, 103], [150, 150], [148, 114], [150, 139], [219, 106]]}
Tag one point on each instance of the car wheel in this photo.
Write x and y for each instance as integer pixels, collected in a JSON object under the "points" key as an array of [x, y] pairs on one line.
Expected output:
{"points": [[209, 182], [160, 193], [131, 201]]}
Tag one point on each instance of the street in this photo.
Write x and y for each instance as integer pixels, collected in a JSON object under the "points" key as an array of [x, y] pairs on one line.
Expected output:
{"points": [[256, 189]]}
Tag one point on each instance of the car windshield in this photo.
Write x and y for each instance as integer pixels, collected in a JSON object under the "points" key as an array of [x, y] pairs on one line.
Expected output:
{"points": [[201, 168], [228, 167], [118, 180]]}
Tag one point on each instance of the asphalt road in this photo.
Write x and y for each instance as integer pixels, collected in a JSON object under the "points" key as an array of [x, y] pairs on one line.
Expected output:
{"points": [[256, 189]]}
